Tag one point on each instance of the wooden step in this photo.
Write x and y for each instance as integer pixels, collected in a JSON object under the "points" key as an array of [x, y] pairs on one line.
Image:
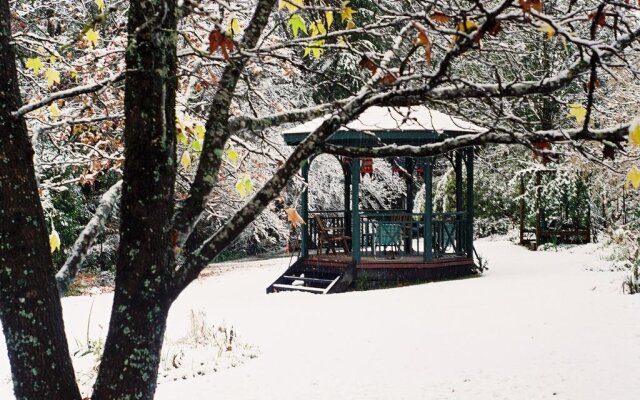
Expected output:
{"points": [[280, 286], [305, 279]]}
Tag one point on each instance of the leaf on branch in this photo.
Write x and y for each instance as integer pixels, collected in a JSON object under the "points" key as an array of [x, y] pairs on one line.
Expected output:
{"points": [[291, 5], [317, 28], [602, 18], [185, 160], [200, 131], [234, 26], [366, 62], [540, 151], [315, 48], [54, 239], [346, 12], [293, 217], [244, 186], [577, 111], [527, 5], [218, 40], [100, 4], [633, 177], [328, 16], [34, 64], [54, 111], [92, 37], [53, 77], [634, 132], [467, 26], [423, 40], [297, 24], [548, 29], [232, 155], [440, 17]]}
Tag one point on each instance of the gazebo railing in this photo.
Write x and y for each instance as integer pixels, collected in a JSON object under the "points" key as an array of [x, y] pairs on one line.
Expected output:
{"points": [[396, 233]]}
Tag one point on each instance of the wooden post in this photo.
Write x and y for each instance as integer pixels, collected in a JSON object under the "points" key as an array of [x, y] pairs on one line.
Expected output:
{"points": [[470, 202], [304, 211], [427, 221], [355, 210]]}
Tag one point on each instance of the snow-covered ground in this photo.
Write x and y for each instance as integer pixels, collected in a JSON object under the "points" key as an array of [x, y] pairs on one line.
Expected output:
{"points": [[537, 325]]}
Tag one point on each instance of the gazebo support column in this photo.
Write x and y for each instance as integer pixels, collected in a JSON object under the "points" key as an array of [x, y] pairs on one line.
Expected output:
{"points": [[470, 209], [410, 163], [355, 210], [304, 211], [427, 222], [347, 198], [460, 233]]}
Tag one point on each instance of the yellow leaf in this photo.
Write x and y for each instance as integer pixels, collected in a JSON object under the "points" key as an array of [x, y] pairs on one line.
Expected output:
{"points": [[291, 5], [317, 28], [578, 111], [548, 29], [315, 48], [92, 37], [100, 4], [34, 64], [52, 76], [200, 131], [54, 111], [73, 73], [467, 26], [293, 217], [633, 177], [54, 240], [346, 12], [232, 155], [351, 24], [328, 15], [244, 186], [53, 58], [185, 160], [234, 26], [634, 132]]}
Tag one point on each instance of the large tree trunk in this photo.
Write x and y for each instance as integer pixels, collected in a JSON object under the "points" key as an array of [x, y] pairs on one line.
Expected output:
{"points": [[145, 265], [30, 307]]}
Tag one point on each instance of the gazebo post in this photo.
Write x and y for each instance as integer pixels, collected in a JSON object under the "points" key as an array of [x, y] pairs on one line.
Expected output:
{"points": [[470, 209], [355, 210], [304, 211], [411, 164], [427, 222], [460, 233], [347, 197]]}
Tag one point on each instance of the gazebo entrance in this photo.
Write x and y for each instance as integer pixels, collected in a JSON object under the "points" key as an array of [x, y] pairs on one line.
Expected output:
{"points": [[338, 246]]}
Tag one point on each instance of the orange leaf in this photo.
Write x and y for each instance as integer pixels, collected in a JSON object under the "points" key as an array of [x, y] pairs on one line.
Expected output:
{"points": [[440, 18], [366, 62], [293, 217]]}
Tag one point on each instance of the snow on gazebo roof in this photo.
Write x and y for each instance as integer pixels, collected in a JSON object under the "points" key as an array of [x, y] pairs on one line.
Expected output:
{"points": [[390, 125]]}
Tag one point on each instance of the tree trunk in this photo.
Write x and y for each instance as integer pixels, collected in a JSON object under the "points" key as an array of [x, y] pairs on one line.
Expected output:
{"points": [[145, 266], [30, 308]]}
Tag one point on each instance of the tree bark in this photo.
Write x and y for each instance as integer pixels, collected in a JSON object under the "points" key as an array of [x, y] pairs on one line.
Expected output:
{"points": [[30, 308], [145, 265]]}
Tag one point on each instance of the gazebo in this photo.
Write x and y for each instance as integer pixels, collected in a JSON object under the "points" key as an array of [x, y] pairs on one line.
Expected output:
{"points": [[340, 246]]}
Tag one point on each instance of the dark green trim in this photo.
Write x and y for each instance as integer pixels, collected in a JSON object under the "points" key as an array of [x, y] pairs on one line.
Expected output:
{"points": [[304, 211], [355, 210], [428, 209], [470, 206], [357, 138]]}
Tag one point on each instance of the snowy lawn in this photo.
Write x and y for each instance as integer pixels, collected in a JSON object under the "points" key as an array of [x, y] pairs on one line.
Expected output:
{"points": [[545, 325]]}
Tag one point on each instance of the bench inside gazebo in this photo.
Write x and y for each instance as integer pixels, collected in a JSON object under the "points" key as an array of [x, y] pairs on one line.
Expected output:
{"points": [[339, 246]]}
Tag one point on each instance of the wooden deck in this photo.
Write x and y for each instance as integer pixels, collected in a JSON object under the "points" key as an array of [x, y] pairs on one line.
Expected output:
{"points": [[402, 262]]}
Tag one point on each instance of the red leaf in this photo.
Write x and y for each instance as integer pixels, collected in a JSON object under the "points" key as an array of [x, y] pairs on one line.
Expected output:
{"points": [[367, 63]]}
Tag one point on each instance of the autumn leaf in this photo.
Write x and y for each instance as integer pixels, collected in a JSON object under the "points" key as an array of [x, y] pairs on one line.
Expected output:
{"points": [[328, 16], [633, 177], [54, 111], [185, 160], [317, 28], [200, 131], [440, 17], [366, 62], [527, 5], [577, 111], [350, 24], [244, 186], [297, 24], [423, 40], [465, 26], [218, 40], [346, 12], [315, 48], [100, 4], [54, 239], [234, 26], [548, 29], [92, 37], [291, 5], [232, 155], [634, 132], [34, 64], [293, 217], [52, 76]]}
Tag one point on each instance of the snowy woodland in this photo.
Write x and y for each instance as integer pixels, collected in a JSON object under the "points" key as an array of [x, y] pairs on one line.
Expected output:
{"points": [[141, 145]]}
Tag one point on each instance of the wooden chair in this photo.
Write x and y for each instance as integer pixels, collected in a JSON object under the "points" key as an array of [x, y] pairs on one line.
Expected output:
{"points": [[329, 237]]}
